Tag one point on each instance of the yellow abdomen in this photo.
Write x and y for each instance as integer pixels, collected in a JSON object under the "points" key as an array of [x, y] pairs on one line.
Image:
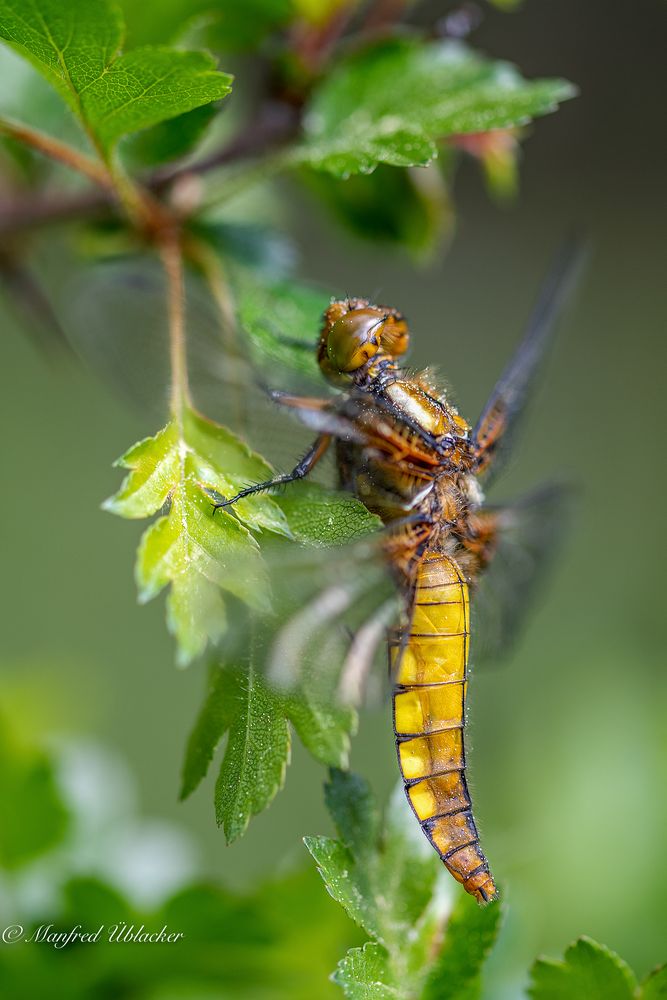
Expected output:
{"points": [[431, 657]]}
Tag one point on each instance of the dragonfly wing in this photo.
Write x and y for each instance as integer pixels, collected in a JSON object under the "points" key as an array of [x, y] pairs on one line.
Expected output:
{"points": [[115, 316], [497, 425], [528, 534], [331, 608]]}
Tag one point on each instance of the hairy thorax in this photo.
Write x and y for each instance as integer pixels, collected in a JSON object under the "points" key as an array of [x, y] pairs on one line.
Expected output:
{"points": [[416, 459]]}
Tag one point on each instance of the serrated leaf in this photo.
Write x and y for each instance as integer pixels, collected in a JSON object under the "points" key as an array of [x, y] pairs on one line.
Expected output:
{"points": [[364, 974], [154, 464], [471, 933], [407, 872], [322, 517], [75, 45], [354, 812], [391, 883], [150, 85], [393, 102], [213, 721], [588, 970], [200, 553], [654, 987], [256, 755], [281, 322], [323, 728], [346, 882]]}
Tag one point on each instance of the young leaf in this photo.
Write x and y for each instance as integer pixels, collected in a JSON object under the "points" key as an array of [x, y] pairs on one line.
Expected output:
{"points": [[355, 814], [35, 818], [392, 885], [364, 974], [75, 45], [281, 322], [213, 721], [587, 970], [345, 881], [471, 933], [390, 104], [256, 756], [201, 554], [321, 517], [410, 209], [257, 718]]}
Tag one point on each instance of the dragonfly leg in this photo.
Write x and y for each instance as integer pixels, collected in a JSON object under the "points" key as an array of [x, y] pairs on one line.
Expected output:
{"points": [[301, 469]]}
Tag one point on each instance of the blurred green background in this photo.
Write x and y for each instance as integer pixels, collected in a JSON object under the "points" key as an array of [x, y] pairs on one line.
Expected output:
{"points": [[569, 752]]}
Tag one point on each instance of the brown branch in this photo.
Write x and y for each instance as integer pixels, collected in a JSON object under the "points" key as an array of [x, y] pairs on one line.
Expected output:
{"points": [[276, 125], [172, 261], [56, 150]]}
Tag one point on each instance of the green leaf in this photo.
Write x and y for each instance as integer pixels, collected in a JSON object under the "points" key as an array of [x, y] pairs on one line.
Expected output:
{"points": [[256, 756], [654, 987], [281, 322], [147, 86], [323, 726], [239, 701], [355, 814], [322, 517], [71, 43], [410, 209], [346, 881], [364, 974], [393, 102], [169, 140], [200, 553], [213, 721], [588, 971], [391, 883], [34, 818], [408, 876], [75, 45], [236, 26], [471, 933]]}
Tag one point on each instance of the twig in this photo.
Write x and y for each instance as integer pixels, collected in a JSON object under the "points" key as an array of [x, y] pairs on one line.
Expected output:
{"points": [[172, 260], [56, 150], [277, 125]]}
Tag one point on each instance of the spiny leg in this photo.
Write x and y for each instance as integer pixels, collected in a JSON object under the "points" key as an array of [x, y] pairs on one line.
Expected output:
{"points": [[300, 470]]}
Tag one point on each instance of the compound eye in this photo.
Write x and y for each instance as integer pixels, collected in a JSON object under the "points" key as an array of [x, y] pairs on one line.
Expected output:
{"points": [[395, 336], [354, 339]]}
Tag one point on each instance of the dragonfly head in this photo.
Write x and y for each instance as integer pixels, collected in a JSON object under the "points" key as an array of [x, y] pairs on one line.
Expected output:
{"points": [[353, 332]]}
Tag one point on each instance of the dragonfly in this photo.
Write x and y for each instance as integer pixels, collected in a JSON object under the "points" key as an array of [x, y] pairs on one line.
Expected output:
{"points": [[403, 449]]}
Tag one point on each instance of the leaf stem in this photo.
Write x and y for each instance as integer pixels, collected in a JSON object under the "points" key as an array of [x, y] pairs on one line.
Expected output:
{"points": [[172, 261], [56, 150]]}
